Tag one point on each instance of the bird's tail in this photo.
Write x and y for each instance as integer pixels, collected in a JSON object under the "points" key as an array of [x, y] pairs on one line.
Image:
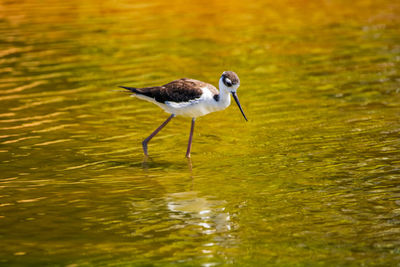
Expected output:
{"points": [[132, 89]]}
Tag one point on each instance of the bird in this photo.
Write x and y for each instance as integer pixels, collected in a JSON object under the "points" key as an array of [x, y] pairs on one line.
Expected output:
{"points": [[189, 98]]}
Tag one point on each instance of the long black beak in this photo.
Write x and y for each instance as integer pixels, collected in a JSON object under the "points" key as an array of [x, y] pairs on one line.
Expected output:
{"points": [[238, 103]]}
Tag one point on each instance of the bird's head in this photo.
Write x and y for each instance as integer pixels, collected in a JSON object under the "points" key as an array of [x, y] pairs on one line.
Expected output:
{"points": [[230, 82]]}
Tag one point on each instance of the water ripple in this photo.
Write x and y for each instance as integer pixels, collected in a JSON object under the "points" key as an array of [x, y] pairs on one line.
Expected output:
{"points": [[23, 87], [311, 179]]}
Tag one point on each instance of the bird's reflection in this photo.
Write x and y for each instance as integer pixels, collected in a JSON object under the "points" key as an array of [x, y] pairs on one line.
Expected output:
{"points": [[145, 162], [209, 214], [190, 166], [193, 209], [185, 211]]}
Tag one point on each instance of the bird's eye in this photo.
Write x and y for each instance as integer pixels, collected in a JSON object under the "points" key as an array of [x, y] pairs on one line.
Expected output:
{"points": [[228, 82]]}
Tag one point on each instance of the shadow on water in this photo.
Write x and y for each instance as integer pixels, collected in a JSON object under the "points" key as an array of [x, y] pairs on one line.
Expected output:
{"points": [[149, 163]]}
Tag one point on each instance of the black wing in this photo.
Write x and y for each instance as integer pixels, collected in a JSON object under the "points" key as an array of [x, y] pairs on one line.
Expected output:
{"points": [[182, 90]]}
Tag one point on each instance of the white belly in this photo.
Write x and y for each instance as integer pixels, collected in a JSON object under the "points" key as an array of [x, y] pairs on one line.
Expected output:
{"points": [[193, 110]]}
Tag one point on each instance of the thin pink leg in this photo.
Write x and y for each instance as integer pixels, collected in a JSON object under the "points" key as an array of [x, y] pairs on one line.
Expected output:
{"points": [[145, 141], [189, 148]]}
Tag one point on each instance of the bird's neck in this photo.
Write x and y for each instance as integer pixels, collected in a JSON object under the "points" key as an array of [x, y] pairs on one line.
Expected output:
{"points": [[224, 98]]}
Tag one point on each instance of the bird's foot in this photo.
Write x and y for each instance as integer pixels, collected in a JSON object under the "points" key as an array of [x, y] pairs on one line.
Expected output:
{"points": [[144, 145]]}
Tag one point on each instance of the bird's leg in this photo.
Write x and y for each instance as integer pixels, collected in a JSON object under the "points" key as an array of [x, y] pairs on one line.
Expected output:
{"points": [[190, 139], [145, 141]]}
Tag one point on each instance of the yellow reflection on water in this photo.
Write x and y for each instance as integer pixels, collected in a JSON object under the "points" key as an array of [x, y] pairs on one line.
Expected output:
{"points": [[311, 179]]}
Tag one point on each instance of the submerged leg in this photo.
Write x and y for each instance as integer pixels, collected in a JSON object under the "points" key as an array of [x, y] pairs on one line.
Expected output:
{"points": [[145, 141], [190, 139]]}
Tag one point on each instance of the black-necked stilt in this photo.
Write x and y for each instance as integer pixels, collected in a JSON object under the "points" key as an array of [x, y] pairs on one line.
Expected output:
{"points": [[189, 98]]}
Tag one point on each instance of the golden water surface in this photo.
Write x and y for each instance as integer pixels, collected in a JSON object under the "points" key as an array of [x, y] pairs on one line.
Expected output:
{"points": [[313, 179]]}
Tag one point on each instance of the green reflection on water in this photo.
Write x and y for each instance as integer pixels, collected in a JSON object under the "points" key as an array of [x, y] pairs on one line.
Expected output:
{"points": [[311, 179]]}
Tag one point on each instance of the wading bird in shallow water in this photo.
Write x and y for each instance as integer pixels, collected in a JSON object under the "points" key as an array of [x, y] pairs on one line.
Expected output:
{"points": [[189, 98]]}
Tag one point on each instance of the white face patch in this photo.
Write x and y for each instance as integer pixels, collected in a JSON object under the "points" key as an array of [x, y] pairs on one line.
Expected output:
{"points": [[234, 87], [228, 82]]}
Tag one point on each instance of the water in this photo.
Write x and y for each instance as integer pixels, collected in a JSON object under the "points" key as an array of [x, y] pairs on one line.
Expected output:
{"points": [[311, 180]]}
